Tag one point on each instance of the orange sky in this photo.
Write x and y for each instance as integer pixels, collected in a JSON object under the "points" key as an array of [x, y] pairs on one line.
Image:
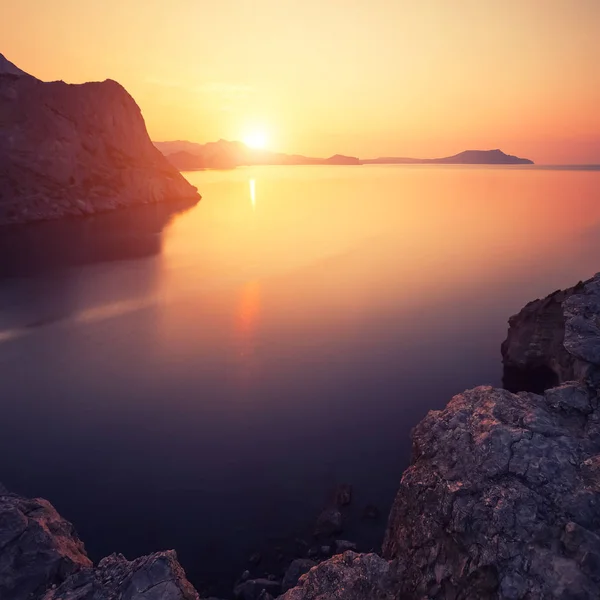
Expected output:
{"points": [[365, 77]]}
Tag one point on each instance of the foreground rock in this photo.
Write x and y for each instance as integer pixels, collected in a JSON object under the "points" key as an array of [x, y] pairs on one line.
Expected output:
{"points": [[347, 576], [554, 340], [155, 577], [502, 499], [76, 150], [41, 558], [38, 548]]}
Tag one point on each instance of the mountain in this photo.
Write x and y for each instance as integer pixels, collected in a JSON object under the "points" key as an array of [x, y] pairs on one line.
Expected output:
{"points": [[189, 156], [468, 157], [225, 154], [72, 150]]}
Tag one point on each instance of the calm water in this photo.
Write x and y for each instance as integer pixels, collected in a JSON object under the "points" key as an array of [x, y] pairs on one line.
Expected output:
{"points": [[200, 379]]}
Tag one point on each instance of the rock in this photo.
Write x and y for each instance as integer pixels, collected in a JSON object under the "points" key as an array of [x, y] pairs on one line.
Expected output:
{"points": [[155, 577], [38, 548], [347, 576], [253, 588], [554, 340], [41, 558], [264, 595], [313, 552], [501, 499], [325, 550], [296, 569], [329, 522], [245, 575], [73, 150], [342, 495], [371, 512], [342, 546]]}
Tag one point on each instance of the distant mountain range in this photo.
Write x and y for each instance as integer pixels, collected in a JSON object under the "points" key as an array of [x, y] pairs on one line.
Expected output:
{"points": [[190, 156]]}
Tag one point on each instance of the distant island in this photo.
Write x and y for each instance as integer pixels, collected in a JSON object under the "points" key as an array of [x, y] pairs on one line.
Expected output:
{"points": [[224, 154]]}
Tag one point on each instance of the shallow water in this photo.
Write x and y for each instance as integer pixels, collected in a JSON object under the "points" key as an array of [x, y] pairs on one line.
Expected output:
{"points": [[200, 379]]}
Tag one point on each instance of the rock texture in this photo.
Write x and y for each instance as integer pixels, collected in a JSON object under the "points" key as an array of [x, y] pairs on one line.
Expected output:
{"points": [[38, 548], [502, 498], [76, 150], [347, 576], [554, 340], [155, 577], [41, 558]]}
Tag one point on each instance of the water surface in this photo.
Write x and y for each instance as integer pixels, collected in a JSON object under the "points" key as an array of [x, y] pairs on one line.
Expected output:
{"points": [[200, 379]]}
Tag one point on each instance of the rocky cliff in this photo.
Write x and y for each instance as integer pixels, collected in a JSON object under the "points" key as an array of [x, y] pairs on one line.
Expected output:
{"points": [[76, 150], [501, 500]]}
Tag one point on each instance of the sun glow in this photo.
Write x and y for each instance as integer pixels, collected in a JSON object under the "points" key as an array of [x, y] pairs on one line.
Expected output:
{"points": [[255, 139]]}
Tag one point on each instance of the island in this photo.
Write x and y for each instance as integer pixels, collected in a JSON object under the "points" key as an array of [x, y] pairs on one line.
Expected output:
{"points": [[224, 154]]}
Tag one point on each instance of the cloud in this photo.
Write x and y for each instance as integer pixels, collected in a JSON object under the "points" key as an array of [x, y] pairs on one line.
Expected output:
{"points": [[225, 90]]}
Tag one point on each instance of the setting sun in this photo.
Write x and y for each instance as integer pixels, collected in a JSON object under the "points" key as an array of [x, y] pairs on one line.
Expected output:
{"points": [[256, 139]]}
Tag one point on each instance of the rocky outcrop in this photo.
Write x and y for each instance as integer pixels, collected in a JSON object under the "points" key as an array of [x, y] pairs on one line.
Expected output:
{"points": [[554, 340], [38, 548], [155, 577], [347, 576], [501, 499], [41, 558], [76, 150]]}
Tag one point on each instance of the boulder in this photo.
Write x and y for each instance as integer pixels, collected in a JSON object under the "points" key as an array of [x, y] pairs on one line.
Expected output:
{"points": [[502, 499], [329, 522], [38, 548], [342, 495], [342, 546], [347, 576], [296, 569], [74, 150], [154, 577], [255, 589]]}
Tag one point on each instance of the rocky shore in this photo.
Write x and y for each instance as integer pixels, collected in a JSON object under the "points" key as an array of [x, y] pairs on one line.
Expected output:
{"points": [[75, 150], [501, 500]]}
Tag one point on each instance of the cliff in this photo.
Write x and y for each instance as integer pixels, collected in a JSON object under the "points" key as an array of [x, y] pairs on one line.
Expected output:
{"points": [[76, 150], [501, 500]]}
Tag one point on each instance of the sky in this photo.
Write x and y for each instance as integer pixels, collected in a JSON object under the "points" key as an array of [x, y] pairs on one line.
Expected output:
{"points": [[420, 78]]}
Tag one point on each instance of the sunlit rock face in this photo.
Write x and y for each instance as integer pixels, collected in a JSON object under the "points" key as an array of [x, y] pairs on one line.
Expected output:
{"points": [[76, 150], [502, 498]]}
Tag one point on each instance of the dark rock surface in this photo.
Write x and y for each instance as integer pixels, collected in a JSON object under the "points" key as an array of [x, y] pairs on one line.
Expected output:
{"points": [[329, 522], [295, 571], [38, 548], [347, 576], [253, 589], [554, 340], [155, 577], [41, 558], [76, 150], [502, 498]]}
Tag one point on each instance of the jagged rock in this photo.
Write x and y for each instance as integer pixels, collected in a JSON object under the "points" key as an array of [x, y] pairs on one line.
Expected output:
{"points": [[76, 150], [554, 340], [342, 546], [38, 548], [253, 588], [502, 499], [347, 576], [329, 522], [296, 569], [154, 577]]}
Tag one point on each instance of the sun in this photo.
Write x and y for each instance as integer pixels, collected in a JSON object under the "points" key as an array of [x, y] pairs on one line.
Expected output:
{"points": [[256, 139]]}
